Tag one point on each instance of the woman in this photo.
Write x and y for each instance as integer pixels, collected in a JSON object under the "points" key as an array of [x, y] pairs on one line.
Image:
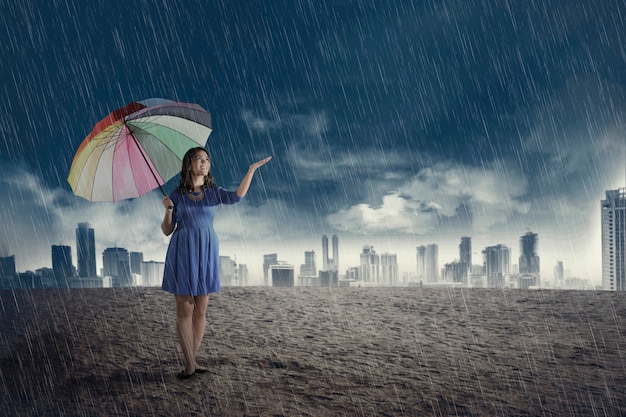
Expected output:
{"points": [[192, 260]]}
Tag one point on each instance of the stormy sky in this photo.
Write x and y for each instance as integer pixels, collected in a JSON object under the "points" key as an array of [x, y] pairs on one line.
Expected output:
{"points": [[391, 123]]}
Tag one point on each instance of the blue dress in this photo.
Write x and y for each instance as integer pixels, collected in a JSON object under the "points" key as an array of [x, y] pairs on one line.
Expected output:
{"points": [[192, 265]]}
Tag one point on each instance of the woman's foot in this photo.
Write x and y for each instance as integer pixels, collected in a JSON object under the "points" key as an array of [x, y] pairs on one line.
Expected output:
{"points": [[184, 375]]}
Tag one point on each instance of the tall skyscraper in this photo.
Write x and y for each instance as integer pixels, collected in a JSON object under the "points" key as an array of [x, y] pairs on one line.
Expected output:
{"points": [[335, 266], [86, 250], [116, 264], [497, 265], [559, 274], [529, 258], [465, 256], [465, 251], [432, 262], [325, 253], [389, 269], [62, 265], [420, 252], [613, 217], [369, 270], [308, 270], [428, 262], [327, 263], [268, 261]]}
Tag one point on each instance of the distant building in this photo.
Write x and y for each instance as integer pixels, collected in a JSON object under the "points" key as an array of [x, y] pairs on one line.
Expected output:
{"points": [[465, 251], [268, 261], [86, 250], [28, 280], [465, 256], [136, 258], [46, 277], [497, 264], [328, 279], [352, 274], [244, 275], [62, 266], [8, 273], [369, 269], [428, 262], [559, 274], [388, 269], [152, 273], [308, 271], [282, 275], [116, 264], [327, 263], [613, 218], [527, 281], [228, 272], [529, 263], [456, 273]]}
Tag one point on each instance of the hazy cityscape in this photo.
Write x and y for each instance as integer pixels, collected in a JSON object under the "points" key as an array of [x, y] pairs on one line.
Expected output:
{"points": [[495, 269]]}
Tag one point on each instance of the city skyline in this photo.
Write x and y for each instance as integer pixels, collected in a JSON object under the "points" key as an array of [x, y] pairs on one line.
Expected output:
{"points": [[393, 125], [422, 269]]}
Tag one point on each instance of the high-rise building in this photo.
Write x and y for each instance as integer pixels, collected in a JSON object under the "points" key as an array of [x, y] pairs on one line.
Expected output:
{"points": [[420, 252], [116, 264], [308, 270], [62, 265], [389, 269], [86, 251], [335, 266], [136, 259], [497, 261], [529, 259], [613, 217], [8, 273], [559, 274], [427, 262], [369, 269], [268, 261], [465, 256], [465, 251], [327, 263]]}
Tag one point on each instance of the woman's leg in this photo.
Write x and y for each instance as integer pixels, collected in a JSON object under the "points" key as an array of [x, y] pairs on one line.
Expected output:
{"points": [[199, 321], [184, 329]]}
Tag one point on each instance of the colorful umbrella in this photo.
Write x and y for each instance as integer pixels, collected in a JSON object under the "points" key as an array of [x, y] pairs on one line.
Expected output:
{"points": [[137, 148]]}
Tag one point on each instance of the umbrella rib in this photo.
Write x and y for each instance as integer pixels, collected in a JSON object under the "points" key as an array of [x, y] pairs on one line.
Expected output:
{"points": [[144, 157]]}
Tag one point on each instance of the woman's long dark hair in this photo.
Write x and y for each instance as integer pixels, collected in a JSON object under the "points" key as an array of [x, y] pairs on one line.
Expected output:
{"points": [[186, 184]]}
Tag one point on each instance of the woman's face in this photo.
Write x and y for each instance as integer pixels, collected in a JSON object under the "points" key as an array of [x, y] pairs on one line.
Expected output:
{"points": [[200, 164]]}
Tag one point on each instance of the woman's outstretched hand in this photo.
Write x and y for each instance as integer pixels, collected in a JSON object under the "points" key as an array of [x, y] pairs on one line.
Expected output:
{"points": [[260, 163], [245, 183]]}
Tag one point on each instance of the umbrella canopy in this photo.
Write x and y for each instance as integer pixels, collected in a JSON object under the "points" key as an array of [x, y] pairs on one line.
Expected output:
{"points": [[137, 148]]}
